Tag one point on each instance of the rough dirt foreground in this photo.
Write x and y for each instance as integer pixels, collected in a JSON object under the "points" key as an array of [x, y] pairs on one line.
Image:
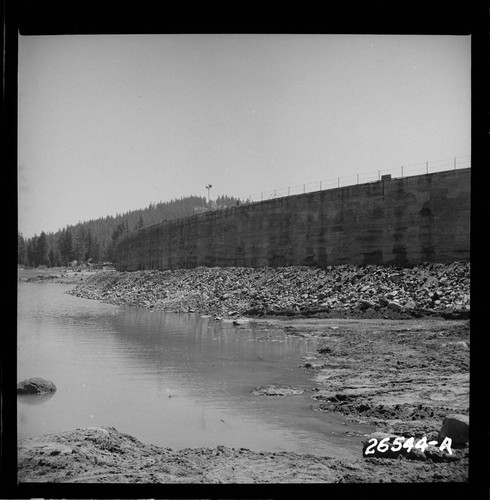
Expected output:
{"points": [[403, 376], [104, 455]]}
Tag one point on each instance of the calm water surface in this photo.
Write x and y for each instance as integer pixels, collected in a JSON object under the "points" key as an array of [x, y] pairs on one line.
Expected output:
{"points": [[174, 380]]}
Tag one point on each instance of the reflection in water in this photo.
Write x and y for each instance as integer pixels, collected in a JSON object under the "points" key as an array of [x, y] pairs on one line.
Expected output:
{"points": [[34, 399], [174, 380]]}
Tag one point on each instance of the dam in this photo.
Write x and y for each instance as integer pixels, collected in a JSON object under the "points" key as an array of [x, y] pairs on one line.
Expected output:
{"points": [[402, 221]]}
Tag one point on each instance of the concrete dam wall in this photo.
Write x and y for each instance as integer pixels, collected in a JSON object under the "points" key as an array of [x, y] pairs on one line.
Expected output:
{"points": [[407, 221]]}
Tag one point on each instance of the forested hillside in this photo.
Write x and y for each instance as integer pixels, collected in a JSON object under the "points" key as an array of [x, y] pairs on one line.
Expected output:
{"points": [[94, 240]]}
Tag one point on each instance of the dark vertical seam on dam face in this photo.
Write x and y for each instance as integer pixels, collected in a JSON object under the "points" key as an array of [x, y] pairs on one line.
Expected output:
{"points": [[398, 221]]}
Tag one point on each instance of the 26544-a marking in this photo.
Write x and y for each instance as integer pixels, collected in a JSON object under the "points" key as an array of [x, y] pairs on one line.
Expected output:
{"points": [[400, 443]]}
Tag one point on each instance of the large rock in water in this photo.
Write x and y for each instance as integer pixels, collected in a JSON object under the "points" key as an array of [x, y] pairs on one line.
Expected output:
{"points": [[35, 385], [455, 427], [275, 390]]}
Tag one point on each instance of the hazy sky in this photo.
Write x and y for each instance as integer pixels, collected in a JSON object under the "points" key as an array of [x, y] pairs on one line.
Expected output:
{"points": [[113, 123]]}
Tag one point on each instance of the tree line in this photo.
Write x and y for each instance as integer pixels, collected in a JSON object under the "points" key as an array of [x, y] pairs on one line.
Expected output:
{"points": [[95, 240]]}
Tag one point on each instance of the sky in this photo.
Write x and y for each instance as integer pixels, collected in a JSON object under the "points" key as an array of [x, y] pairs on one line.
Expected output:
{"points": [[112, 123]]}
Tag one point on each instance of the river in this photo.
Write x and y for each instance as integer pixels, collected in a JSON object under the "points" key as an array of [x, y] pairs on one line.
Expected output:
{"points": [[173, 380]]}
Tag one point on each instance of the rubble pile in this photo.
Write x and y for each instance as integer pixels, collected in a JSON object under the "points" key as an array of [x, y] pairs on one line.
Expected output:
{"points": [[341, 291]]}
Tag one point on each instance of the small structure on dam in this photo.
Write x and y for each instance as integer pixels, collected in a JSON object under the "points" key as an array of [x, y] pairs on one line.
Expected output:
{"points": [[424, 218]]}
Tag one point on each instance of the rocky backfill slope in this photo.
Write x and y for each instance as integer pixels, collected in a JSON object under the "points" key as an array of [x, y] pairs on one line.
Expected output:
{"points": [[342, 291]]}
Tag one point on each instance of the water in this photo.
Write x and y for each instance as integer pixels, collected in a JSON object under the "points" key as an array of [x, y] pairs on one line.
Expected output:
{"points": [[174, 380]]}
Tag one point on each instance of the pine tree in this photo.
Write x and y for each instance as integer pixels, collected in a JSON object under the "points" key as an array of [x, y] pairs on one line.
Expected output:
{"points": [[140, 222], [88, 244], [21, 249], [65, 246], [41, 250], [79, 244], [117, 234], [95, 250], [54, 258], [31, 251]]}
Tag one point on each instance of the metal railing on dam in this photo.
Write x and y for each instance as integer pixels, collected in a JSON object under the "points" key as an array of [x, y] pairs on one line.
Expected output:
{"points": [[428, 167]]}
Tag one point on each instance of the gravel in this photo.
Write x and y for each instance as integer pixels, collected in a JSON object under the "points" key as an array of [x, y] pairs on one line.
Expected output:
{"points": [[343, 291]]}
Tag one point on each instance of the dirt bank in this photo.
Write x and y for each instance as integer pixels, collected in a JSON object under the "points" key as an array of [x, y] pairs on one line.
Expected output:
{"points": [[104, 455], [55, 275], [402, 376]]}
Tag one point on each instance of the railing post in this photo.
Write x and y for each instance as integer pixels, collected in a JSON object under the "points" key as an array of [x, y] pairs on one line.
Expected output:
{"points": [[357, 178], [338, 183], [289, 190], [426, 167]]}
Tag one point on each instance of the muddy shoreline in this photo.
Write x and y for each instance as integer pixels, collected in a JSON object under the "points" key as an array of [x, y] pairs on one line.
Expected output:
{"points": [[104, 455], [399, 364]]}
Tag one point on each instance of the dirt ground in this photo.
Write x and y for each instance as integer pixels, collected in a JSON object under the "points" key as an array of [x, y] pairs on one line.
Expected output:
{"points": [[402, 376], [55, 274], [104, 455]]}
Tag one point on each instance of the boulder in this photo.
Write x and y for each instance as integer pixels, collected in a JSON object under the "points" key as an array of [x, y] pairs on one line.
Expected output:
{"points": [[365, 304], [324, 395], [35, 385], [395, 306], [456, 427], [314, 365], [325, 350], [275, 390]]}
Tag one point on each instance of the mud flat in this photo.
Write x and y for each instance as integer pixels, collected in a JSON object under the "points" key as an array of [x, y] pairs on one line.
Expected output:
{"points": [[402, 376]]}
